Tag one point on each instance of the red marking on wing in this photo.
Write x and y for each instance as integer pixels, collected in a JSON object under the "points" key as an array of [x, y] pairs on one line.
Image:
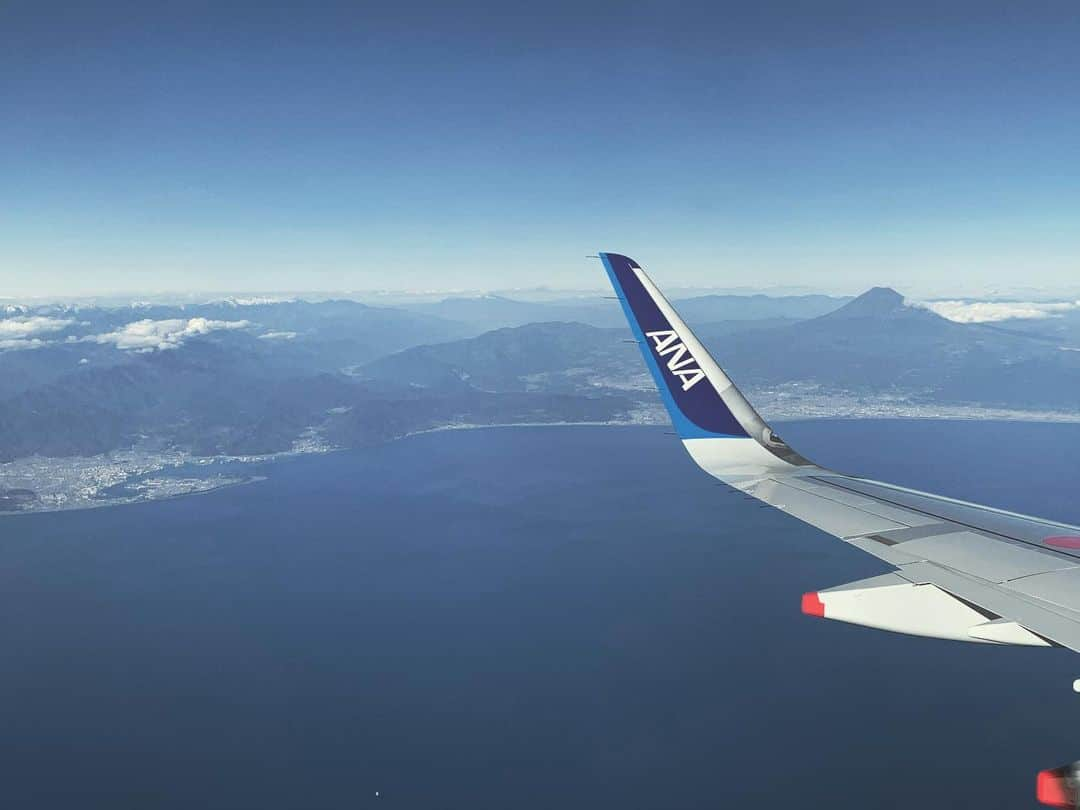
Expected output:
{"points": [[1051, 789], [1064, 541], [812, 604]]}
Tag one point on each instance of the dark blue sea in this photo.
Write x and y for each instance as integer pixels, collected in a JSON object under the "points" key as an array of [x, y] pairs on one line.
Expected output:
{"points": [[515, 618]]}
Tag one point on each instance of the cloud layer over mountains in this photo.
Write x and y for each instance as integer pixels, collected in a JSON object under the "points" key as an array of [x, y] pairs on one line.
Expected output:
{"points": [[997, 311], [25, 332], [150, 335]]}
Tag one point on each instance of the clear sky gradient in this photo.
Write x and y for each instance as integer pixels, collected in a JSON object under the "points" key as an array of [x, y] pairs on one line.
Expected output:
{"points": [[170, 146]]}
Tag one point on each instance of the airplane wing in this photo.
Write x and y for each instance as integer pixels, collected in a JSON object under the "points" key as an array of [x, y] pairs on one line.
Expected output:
{"points": [[963, 571]]}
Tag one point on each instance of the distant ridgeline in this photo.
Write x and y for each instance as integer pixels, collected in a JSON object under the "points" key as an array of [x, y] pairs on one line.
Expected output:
{"points": [[251, 377]]}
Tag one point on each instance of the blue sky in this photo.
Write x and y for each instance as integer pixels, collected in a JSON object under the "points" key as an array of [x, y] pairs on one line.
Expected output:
{"points": [[210, 146]]}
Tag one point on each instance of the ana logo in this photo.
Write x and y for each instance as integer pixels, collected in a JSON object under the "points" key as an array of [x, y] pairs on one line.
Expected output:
{"points": [[681, 363]]}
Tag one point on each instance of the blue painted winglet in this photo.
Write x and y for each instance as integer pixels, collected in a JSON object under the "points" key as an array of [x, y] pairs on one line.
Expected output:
{"points": [[695, 406]]}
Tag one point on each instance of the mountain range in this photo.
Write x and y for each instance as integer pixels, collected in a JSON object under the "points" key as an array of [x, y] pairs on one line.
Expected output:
{"points": [[251, 377], [875, 344], [493, 311]]}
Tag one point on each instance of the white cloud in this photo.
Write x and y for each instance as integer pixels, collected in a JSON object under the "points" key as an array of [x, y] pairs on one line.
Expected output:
{"points": [[24, 332], [148, 335], [254, 301], [278, 336], [993, 311], [20, 343], [32, 326]]}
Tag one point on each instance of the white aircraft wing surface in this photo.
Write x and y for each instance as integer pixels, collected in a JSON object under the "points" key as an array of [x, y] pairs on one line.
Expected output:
{"points": [[963, 571]]}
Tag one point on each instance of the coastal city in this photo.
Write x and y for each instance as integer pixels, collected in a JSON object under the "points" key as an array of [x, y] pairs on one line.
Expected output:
{"points": [[142, 473]]}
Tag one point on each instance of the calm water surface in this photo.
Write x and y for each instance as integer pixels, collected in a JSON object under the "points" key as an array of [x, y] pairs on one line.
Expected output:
{"points": [[527, 618]]}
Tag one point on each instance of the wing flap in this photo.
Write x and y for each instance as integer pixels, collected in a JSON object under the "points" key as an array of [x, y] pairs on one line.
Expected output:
{"points": [[984, 557], [1061, 588], [1050, 622], [878, 546]]}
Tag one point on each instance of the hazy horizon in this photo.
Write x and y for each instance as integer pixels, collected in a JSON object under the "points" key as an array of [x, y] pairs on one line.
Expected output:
{"points": [[1048, 302]]}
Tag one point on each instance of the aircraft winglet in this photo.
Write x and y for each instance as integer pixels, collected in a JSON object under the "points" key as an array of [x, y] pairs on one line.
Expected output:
{"points": [[701, 399]]}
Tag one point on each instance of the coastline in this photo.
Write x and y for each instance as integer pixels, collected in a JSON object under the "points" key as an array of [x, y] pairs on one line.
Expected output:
{"points": [[135, 467]]}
